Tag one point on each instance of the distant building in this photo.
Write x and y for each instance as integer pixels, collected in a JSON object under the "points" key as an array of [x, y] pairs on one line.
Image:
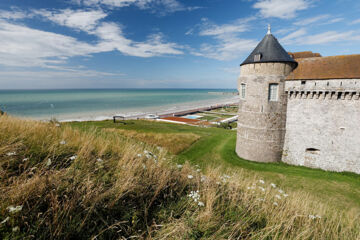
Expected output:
{"points": [[299, 108]]}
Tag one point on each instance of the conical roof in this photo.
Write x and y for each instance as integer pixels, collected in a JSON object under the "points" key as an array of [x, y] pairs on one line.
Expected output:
{"points": [[268, 50]]}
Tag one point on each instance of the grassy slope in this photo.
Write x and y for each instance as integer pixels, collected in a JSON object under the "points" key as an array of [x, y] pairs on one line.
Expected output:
{"points": [[94, 184], [216, 148]]}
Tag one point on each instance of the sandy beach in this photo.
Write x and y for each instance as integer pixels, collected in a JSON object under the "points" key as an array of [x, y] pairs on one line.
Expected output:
{"points": [[166, 110]]}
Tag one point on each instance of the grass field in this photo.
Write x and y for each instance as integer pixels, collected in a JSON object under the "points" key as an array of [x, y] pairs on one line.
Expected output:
{"points": [[215, 149], [99, 180]]}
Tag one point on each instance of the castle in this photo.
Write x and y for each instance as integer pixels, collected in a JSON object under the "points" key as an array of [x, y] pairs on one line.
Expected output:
{"points": [[299, 108]]}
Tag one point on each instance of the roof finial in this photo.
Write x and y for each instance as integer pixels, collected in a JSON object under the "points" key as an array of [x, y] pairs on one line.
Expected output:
{"points": [[269, 29]]}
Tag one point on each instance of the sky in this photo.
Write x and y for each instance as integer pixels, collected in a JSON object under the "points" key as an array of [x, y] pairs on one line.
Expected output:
{"points": [[61, 44]]}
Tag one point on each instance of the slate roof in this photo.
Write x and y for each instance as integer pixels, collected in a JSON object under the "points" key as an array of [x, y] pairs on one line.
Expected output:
{"points": [[333, 67], [270, 50]]}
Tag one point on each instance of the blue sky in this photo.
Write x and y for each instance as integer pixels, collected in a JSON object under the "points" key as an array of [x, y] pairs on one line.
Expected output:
{"points": [[159, 43]]}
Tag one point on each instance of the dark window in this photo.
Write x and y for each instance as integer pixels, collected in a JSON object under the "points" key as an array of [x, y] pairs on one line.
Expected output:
{"points": [[303, 82]]}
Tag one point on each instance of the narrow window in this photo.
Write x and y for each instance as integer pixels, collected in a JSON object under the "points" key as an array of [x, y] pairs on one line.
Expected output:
{"points": [[273, 92], [243, 90], [303, 82], [257, 57]]}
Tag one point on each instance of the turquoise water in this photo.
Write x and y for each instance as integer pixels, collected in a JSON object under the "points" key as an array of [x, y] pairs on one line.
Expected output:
{"points": [[87, 103]]}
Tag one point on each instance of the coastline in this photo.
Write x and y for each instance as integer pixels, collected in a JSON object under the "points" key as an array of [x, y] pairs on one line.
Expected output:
{"points": [[162, 111]]}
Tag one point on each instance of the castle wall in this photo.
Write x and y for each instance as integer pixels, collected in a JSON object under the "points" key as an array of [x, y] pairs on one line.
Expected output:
{"points": [[323, 124], [261, 123]]}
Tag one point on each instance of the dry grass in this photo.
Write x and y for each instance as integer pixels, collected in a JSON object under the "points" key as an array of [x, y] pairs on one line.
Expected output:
{"points": [[165, 140], [109, 191]]}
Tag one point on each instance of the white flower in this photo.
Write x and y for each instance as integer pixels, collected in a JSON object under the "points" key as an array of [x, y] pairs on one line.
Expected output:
{"points": [[48, 162], [25, 159], [273, 185], [312, 217], [201, 204], [248, 188], [276, 204], [11, 153], [5, 220], [281, 191], [13, 209], [285, 195], [63, 142], [144, 166], [99, 160], [261, 199], [218, 183], [261, 181], [317, 216], [179, 166], [73, 157], [198, 170], [190, 176], [139, 155], [262, 189], [15, 229], [194, 195], [277, 196], [57, 125]]}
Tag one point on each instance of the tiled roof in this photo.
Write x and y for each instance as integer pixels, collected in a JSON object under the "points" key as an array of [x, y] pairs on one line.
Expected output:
{"points": [[305, 54], [334, 67]]}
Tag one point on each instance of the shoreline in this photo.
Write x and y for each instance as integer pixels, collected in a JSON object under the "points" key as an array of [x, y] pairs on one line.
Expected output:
{"points": [[170, 111]]}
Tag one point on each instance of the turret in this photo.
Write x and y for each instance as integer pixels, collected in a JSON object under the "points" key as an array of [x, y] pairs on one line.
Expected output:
{"points": [[262, 107]]}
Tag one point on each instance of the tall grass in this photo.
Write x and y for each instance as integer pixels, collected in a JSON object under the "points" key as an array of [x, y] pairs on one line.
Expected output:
{"points": [[59, 183]]}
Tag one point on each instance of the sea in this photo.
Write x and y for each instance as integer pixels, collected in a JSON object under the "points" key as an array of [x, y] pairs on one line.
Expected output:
{"points": [[100, 104]]}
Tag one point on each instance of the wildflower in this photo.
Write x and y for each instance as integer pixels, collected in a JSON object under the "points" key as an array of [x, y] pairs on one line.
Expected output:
{"points": [[262, 189], [273, 185], [57, 125], [144, 166], [190, 176], [13, 209], [285, 195], [139, 155], [314, 216], [201, 204], [73, 157], [281, 191], [48, 163], [276, 204], [11, 153], [5, 220], [179, 166], [198, 170], [99, 160], [277, 196], [159, 148], [194, 195], [63, 142], [261, 181], [218, 183], [25, 159], [261, 199], [15, 229]]}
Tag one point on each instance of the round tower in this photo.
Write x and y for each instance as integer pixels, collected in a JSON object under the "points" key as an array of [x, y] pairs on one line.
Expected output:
{"points": [[262, 107]]}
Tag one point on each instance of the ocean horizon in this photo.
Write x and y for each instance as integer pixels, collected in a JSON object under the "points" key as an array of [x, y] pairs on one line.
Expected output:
{"points": [[99, 104]]}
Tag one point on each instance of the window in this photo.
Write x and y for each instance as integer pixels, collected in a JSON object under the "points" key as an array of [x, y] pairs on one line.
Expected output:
{"points": [[243, 90], [273, 92], [257, 57]]}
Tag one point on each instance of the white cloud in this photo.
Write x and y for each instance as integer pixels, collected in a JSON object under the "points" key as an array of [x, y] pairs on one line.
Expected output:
{"points": [[301, 37], [293, 35], [77, 19], [160, 6], [311, 20], [28, 47], [228, 44], [226, 49], [356, 21], [13, 15], [284, 9]]}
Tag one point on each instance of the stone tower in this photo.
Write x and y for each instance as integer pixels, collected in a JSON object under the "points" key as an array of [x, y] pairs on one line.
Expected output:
{"points": [[262, 107]]}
